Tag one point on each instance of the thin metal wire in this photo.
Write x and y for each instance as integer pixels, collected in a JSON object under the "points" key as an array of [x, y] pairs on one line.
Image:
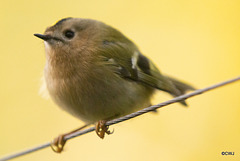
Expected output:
{"points": [[127, 117]]}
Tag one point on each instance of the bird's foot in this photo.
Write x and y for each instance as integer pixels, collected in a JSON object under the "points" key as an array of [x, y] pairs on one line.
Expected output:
{"points": [[59, 142], [102, 128]]}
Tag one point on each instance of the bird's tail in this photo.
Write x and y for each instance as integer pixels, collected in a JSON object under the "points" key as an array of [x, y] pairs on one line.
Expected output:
{"points": [[181, 87]]}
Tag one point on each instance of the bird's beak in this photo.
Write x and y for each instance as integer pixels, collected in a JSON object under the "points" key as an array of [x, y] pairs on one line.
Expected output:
{"points": [[48, 37], [44, 37]]}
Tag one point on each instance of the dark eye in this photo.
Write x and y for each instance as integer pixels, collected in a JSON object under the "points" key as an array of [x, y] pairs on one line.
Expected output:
{"points": [[69, 34]]}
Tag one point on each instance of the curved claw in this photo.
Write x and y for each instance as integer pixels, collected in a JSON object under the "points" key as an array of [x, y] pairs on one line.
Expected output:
{"points": [[110, 132]]}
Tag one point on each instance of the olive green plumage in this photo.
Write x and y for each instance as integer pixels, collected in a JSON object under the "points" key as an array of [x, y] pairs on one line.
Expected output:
{"points": [[96, 73]]}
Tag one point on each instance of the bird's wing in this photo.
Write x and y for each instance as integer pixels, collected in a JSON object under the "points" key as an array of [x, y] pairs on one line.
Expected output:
{"points": [[130, 64], [139, 68]]}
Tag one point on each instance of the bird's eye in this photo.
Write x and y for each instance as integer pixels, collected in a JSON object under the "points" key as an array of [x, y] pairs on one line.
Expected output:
{"points": [[69, 34]]}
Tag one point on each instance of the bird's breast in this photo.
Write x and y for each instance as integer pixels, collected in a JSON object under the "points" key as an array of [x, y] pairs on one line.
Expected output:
{"points": [[101, 95]]}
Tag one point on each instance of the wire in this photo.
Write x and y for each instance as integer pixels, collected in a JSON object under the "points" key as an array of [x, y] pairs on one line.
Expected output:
{"points": [[124, 118]]}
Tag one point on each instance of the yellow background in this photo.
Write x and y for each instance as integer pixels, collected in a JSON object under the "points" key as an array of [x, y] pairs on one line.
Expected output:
{"points": [[195, 40]]}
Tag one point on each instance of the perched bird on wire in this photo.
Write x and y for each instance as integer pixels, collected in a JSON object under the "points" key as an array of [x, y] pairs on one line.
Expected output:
{"points": [[96, 73]]}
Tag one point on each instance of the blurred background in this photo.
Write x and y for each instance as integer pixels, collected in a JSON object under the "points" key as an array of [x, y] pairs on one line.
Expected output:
{"points": [[196, 41]]}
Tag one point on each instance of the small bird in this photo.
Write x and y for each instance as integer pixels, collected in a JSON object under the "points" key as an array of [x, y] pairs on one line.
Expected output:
{"points": [[96, 73]]}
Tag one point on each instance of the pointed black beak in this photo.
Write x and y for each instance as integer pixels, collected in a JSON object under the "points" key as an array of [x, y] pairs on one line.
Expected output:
{"points": [[44, 37], [48, 37]]}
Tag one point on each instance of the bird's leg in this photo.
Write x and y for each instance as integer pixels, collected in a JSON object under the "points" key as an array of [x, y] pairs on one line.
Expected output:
{"points": [[59, 142], [102, 128]]}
